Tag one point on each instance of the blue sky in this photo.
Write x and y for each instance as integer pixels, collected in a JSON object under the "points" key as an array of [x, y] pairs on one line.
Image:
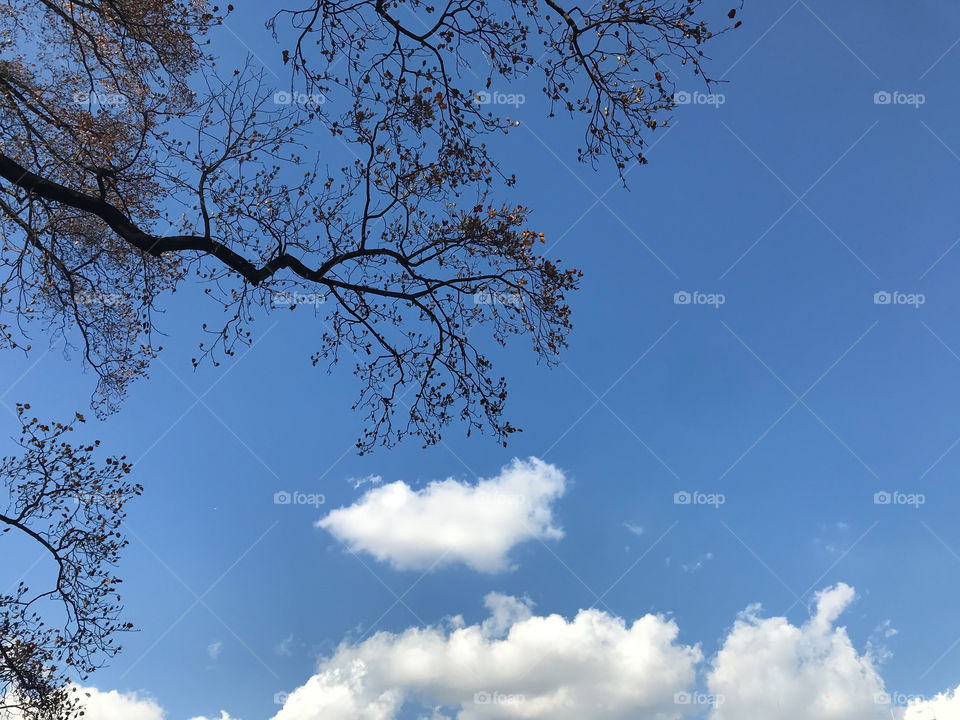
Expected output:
{"points": [[797, 399]]}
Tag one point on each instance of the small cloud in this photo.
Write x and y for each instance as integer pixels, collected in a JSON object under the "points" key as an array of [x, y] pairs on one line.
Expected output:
{"points": [[877, 648], [368, 480], [213, 650], [833, 537], [694, 566], [448, 521], [285, 648], [634, 529]]}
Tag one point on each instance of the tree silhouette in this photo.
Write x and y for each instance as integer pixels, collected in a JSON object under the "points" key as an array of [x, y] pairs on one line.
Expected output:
{"points": [[129, 166], [71, 508]]}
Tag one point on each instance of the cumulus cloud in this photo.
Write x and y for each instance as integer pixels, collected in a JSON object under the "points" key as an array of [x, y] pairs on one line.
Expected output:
{"points": [[450, 521], [944, 706], [518, 664], [515, 664], [113, 705], [771, 668]]}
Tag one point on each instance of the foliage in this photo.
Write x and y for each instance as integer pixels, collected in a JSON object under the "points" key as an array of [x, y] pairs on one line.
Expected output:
{"points": [[128, 166], [69, 506]]}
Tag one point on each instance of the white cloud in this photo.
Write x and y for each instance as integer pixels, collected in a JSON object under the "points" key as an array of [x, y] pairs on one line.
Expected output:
{"points": [[368, 480], [769, 668], [598, 666], [285, 647], [112, 705], [453, 522], [633, 529], [698, 564], [945, 706], [515, 664], [213, 650], [518, 664], [878, 646]]}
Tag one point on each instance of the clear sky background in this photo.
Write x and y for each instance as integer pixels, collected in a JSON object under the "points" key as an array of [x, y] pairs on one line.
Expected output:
{"points": [[798, 198]]}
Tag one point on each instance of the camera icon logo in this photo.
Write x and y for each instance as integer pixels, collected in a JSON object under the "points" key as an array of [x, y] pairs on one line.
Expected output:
{"points": [[282, 498], [483, 97], [882, 498], [681, 297], [682, 98], [482, 698], [882, 97], [280, 698], [681, 498], [882, 297], [682, 698], [282, 97]]}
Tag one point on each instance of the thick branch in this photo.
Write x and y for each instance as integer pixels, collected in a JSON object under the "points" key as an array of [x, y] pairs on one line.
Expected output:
{"points": [[14, 172]]}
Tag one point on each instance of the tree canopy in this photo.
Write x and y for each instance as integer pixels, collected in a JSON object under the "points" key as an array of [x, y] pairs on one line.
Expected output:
{"points": [[61, 500], [131, 163]]}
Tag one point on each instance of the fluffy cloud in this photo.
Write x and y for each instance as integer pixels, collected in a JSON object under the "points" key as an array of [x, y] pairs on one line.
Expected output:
{"points": [[512, 665], [945, 706], [453, 522], [770, 668], [517, 664], [112, 705]]}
